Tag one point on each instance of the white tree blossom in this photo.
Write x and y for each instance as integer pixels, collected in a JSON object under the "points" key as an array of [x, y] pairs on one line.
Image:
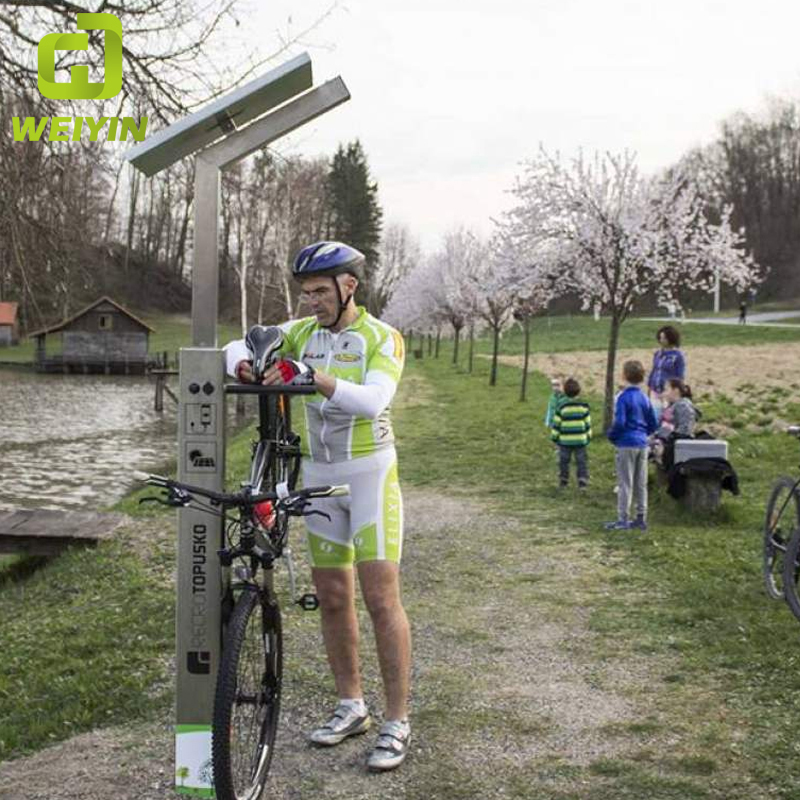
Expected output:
{"points": [[399, 254], [601, 230]]}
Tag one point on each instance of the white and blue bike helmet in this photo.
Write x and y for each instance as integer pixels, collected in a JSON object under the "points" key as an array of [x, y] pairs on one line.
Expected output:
{"points": [[330, 258]]}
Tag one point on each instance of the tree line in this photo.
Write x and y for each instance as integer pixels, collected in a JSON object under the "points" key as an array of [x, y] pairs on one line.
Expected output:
{"points": [[76, 222]]}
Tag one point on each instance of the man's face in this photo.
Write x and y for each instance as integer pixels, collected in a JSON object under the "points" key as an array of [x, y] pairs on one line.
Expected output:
{"points": [[320, 296]]}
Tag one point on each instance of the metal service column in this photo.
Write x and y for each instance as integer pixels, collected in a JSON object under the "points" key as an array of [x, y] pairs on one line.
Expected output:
{"points": [[201, 454]]}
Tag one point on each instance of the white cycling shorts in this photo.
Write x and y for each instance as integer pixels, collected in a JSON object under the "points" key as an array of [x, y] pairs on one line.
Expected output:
{"points": [[366, 525]]}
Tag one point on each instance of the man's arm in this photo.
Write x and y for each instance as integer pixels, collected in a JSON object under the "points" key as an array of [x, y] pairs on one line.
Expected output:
{"points": [[235, 352], [363, 400], [384, 367]]}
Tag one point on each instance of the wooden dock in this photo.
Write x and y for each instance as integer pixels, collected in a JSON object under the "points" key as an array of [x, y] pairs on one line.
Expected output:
{"points": [[46, 532]]}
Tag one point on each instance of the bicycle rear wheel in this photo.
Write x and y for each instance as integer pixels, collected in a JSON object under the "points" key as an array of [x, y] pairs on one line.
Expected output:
{"points": [[791, 572], [782, 518], [247, 701]]}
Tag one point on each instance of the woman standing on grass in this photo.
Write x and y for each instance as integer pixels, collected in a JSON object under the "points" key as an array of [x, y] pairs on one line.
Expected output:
{"points": [[669, 363]]}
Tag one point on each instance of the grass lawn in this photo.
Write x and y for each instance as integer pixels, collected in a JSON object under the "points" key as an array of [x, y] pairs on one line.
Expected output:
{"points": [[577, 332], [690, 589], [682, 604]]}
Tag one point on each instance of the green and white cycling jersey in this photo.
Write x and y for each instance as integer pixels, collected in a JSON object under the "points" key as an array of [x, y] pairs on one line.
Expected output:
{"points": [[366, 358]]}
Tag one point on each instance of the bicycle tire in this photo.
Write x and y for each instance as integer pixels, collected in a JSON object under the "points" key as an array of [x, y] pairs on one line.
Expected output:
{"points": [[247, 698], [791, 573], [781, 519]]}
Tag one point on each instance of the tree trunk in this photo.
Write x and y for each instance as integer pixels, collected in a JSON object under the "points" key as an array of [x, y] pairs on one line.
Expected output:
{"points": [[495, 349], [455, 344], [243, 285], [287, 296], [421, 344], [525, 360], [611, 362], [438, 336], [131, 219], [261, 293], [471, 345], [430, 343]]}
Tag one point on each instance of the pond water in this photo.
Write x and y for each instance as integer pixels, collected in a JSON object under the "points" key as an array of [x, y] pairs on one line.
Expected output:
{"points": [[72, 441]]}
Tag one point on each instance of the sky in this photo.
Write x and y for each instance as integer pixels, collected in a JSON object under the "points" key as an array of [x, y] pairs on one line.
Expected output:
{"points": [[449, 98]]}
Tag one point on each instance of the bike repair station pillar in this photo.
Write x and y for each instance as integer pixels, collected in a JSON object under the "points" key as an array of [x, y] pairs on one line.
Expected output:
{"points": [[219, 135]]}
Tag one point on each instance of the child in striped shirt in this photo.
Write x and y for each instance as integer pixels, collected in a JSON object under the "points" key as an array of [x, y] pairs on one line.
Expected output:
{"points": [[572, 431]]}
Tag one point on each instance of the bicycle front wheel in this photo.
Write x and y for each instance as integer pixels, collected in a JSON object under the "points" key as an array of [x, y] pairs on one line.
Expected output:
{"points": [[247, 700], [791, 572], [782, 518]]}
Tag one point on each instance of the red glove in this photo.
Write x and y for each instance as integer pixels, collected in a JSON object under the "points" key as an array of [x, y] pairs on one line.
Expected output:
{"points": [[295, 371]]}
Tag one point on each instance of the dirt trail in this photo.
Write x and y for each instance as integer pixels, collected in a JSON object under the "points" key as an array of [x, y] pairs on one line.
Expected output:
{"points": [[506, 700]]}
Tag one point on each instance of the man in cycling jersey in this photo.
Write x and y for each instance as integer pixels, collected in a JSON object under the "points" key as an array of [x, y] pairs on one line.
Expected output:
{"points": [[355, 362]]}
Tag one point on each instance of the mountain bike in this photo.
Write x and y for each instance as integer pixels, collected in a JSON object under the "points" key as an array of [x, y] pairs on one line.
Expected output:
{"points": [[782, 535], [256, 524], [248, 689]]}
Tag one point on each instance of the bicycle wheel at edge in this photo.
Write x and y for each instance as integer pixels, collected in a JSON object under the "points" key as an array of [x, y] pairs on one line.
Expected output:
{"points": [[791, 572], [781, 519], [247, 700]]}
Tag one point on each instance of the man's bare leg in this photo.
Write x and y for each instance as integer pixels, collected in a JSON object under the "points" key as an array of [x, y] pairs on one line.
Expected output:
{"points": [[336, 593], [380, 586]]}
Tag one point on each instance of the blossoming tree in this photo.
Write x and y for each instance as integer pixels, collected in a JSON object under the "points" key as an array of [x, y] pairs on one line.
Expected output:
{"points": [[601, 230]]}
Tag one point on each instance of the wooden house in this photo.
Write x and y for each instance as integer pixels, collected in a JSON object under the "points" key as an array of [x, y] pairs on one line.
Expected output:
{"points": [[9, 326], [103, 337]]}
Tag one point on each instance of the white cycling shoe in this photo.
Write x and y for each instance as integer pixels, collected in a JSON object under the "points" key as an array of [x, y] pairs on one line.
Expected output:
{"points": [[344, 722], [391, 748]]}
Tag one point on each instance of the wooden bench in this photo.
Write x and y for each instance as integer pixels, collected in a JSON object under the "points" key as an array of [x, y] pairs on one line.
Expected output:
{"points": [[48, 532]]}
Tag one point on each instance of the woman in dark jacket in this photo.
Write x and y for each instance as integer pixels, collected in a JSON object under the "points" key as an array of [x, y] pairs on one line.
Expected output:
{"points": [[669, 363]]}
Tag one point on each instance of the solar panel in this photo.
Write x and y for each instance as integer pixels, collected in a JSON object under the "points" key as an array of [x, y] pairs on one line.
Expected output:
{"points": [[222, 116]]}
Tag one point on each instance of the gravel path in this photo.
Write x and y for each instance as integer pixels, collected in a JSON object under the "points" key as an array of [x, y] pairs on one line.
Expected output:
{"points": [[507, 699], [759, 318]]}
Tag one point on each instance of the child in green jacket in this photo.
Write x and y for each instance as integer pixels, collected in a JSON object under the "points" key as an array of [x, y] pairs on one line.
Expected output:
{"points": [[572, 431], [556, 394]]}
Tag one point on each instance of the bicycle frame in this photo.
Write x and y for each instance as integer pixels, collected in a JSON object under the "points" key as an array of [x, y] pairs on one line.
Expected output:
{"points": [[274, 409]]}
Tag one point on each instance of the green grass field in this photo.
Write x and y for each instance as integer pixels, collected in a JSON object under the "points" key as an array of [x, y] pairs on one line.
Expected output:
{"points": [[562, 334], [684, 600]]}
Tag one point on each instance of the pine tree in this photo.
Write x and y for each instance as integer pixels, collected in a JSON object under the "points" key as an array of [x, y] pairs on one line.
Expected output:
{"points": [[355, 212]]}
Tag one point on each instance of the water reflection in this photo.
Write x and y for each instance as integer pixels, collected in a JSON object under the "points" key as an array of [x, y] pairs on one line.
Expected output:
{"points": [[71, 441]]}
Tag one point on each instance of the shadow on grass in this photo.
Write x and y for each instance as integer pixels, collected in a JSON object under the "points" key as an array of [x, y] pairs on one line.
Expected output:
{"points": [[19, 568]]}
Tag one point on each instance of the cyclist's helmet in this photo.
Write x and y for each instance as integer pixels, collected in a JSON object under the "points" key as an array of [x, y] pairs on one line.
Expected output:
{"points": [[328, 258]]}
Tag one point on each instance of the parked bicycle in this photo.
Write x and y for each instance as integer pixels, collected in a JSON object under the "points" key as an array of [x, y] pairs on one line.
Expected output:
{"points": [[782, 539], [256, 524]]}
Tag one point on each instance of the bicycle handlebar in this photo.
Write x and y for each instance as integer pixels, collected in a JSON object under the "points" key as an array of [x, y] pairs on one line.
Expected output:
{"points": [[258, 388], [239, 498]]}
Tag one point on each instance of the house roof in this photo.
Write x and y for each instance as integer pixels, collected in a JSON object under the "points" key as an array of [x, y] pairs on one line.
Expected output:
{"points": [[8, 313], [70, 320]]}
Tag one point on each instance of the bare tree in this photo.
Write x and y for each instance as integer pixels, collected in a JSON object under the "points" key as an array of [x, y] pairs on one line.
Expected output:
{"points": [[399, 254], [167, 50]]}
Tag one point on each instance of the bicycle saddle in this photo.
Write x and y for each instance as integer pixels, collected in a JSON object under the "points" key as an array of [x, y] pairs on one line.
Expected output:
{"points": [[263, 341]]}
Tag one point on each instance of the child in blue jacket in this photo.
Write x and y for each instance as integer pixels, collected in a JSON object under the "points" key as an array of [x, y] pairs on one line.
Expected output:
{"points": [[634, 421]]}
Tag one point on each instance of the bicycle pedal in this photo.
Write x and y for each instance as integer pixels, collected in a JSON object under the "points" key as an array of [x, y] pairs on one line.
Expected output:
{"points": [[308, 602]]}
